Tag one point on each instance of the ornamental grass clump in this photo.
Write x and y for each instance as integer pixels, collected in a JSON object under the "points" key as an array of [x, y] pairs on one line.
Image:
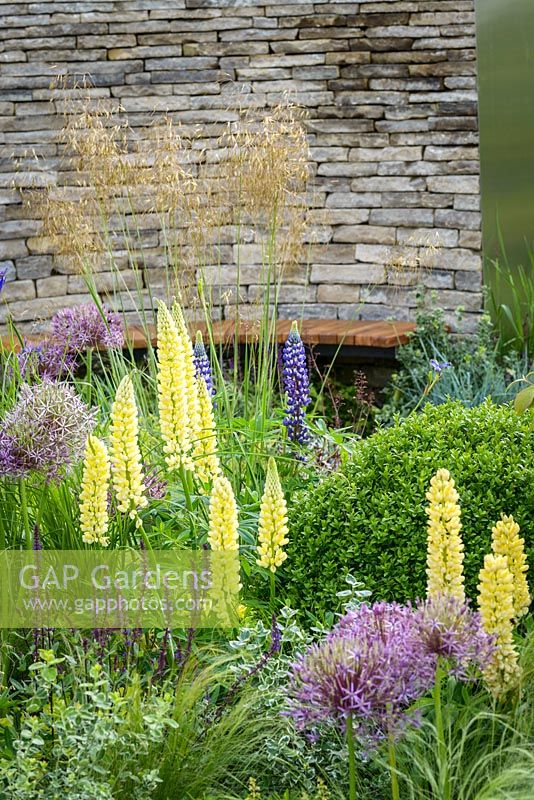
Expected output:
{"points": [[496, 603], [296, 383], [172, 393], [94, 517], [126, 466], [505, 541], [45, 432], [445, 550]]}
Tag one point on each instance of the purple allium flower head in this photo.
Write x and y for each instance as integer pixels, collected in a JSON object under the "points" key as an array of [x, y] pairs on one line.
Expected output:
{"points": [[46, 359], [452, 632], [202, 363], [296, 385], [439, 366], [372, 665], [45, 431], [3, 277], [87, 325]]}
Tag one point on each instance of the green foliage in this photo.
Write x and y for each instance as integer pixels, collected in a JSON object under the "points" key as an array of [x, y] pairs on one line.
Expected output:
{"points": [[98, 748], [524, 399], [478, 369], [290, 760], [369, 518], [511, 303]]}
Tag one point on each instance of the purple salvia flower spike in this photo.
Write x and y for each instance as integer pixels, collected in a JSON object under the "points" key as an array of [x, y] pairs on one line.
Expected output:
{"points": [[296, 383], [37, 544]]}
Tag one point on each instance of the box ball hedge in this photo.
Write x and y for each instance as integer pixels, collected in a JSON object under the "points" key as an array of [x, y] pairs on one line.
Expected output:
{"points": [[368, 519]]}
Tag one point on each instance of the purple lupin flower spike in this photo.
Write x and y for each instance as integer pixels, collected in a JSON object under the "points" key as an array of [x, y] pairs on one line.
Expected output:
{"points": [[3, 277], [297, 386], [202, 363]]}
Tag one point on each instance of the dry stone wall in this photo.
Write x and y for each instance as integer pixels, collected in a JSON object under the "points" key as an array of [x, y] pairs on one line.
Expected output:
{"points": [[390, 93]]}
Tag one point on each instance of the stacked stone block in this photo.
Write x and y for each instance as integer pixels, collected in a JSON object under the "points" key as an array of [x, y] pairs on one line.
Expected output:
{"points": [[389, 89]]}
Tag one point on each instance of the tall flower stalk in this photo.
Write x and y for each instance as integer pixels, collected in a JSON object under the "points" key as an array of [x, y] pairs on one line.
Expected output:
{"points": [[505, 541], [296, 383], [207, 465], [273, 529], [496, 603], [94, 518], [223, 518], [445, 550], [190, 381], [223, 538], [126, 466], [172, 394], [202, 363]]}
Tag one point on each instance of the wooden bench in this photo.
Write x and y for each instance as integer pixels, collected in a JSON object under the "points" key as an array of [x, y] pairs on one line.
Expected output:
{"points": [[373, 338], [384, 335]]}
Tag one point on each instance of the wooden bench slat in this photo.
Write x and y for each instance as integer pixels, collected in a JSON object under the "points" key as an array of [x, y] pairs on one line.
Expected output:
{"points": [[352, 333]]}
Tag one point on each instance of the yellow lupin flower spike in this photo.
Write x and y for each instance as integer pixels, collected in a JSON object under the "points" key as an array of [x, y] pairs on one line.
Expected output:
{"points": [[94, 516], [172, 396], [223, 538], [191, 389], [445, 550], [496, 604], [207, 465], [273, 530], [505, 541], [125, 455], [223, 521]]}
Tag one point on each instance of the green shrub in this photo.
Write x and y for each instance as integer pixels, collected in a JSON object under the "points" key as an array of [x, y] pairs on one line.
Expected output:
{"points": [[369, 518]]}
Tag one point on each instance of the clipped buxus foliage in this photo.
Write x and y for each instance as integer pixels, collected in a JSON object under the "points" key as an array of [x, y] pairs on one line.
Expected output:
{"points": [[368, 519]]}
